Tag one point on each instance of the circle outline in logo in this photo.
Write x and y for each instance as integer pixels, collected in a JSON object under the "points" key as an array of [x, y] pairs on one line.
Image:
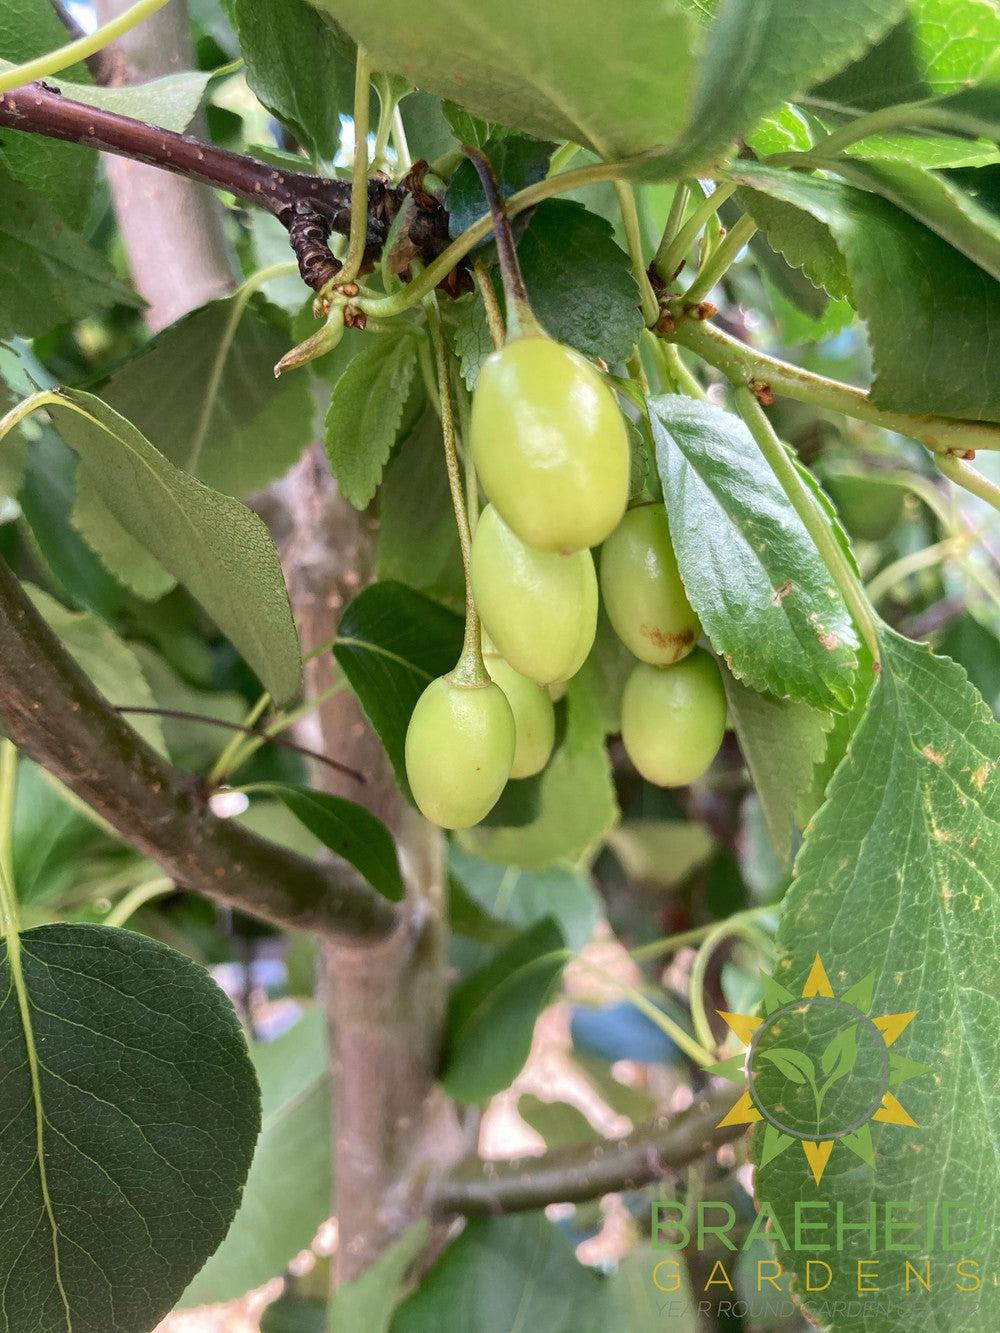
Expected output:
{"points": [[796, 1006]]}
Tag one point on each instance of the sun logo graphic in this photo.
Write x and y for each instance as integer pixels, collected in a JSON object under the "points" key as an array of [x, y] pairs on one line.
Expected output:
{"points": [[818, 1069]]}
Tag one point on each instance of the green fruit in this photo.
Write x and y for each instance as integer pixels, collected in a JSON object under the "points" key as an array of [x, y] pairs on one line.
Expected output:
{"points": [[642, 589], [534, 716], [674, 718], [869, 510], [549, 444], [538, 607], [459, 751]]}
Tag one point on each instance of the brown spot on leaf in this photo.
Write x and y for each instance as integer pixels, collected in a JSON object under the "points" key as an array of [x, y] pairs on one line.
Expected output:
{"points": [[981, 774], [782, 592], [935, 756], [830, 641]]}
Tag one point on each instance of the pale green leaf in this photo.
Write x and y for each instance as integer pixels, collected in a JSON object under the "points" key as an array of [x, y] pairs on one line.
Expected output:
{"points": [[560, 70], [107, 660], [933, 316], [48, 274], [287, 1194], [751, 570], [559, 1123], [216, 547], [782, 740], [204, 393], [145, 1105], [802, 240], [575, 793], [120, 554], [897, 876], [366, 412], [369, 1301]]}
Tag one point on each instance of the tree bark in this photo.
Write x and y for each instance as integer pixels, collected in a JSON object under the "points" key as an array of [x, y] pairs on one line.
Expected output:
{"points": [[172, 228], [392, 1125]]}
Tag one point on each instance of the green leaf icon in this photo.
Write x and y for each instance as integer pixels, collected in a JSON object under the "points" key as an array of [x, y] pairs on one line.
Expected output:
{"points": [[795, 1065], [841, 1054]]}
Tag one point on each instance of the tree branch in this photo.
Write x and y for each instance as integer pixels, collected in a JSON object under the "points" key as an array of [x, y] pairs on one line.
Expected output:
{"points": [[741, 363], [295, 198], [50, 709], [580, 1172]]}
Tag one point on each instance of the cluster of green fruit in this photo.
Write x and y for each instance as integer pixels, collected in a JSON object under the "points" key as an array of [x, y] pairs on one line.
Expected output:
{"points": [[551, 451]]}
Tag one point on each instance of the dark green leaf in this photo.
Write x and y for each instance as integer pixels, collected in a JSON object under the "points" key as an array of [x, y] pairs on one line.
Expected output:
{"points": [[145, 1105], [48, 274], [469, 129], [760, 53], [491, 1015], [204, 393], [897, 877], [348, 830], [751, 570], [391, 644], [297, 67], [802, 240], [517, 161], [580, 281], [287, 1195], [417, 536], [366, 412], [933, 316], [559, 70], [216, 547], [515, 1273]]}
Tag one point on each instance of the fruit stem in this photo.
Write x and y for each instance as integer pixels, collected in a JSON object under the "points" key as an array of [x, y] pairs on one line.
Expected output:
{"points": [[8, 786], [494, 315], [720, 260], [813, 519], [675, 217], [358, 233], [633, 237], [969, 479], [470, 669], [670, 258], [520, 320], [736, 925], [52, 62]]}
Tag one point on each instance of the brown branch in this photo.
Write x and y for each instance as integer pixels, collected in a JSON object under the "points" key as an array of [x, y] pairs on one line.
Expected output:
{"points": [[580, 1172], [50, 709], [290, 195]]}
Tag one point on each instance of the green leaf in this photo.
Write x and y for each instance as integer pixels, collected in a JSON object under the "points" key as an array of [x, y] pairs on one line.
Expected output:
{"points": [[523, 897], [933, 200], [122, 556], [216, 547], [782, 740], [469, 129], [934, 151], [471, 335], [907, 844], [349, 831], [751, 570], [105, 659], [558, 1123], [296, 65], [637, 1303], [933, 316], [796, 1066], [802, 240], [48, 274], [369, 1301], [491, 1015], [169, 102], [939, 46], [134, 1081], [63, 173], [287, 1194], [760, 53], [391, 644], [516, 1273], [580, 281], [366, 412], [576, 803], [204, 393], [417, 536], [517, 162], [561, 70], [192, 745]]}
